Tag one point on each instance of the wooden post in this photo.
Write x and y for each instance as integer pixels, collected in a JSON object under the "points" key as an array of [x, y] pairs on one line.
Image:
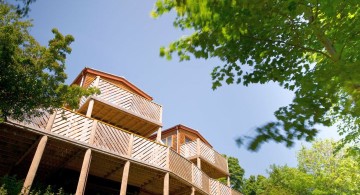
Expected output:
{"points": [[90, 108], [82, 80], [131, 143], [177, 140], [125, 178], [158, 135], [97, 80], [34, 165], [84, 173], [218, 187], [168, 158], [198, 148], [228, 181], [198, 162], [93, 131], [198, 153], [91, 103], [192, 191], [192, 173], [51, 121], [166, 184]]}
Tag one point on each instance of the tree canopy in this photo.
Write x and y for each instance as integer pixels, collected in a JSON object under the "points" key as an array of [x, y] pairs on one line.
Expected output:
{"points": [[236, 174], [32, 76], [307, 46], [319, 171]]}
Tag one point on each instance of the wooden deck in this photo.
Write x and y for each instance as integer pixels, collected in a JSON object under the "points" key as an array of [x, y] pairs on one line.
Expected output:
{"points": [[113, 146], [126, 100], [213, 163]]}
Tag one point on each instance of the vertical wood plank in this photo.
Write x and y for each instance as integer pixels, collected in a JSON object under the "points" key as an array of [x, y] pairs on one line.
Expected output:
{"points": [[90, 108], [80, 190], [192, 173], [93, 132], [168, 158], [125, 178], [198, 152], [166, 184], [34, 165], [158, 135], [131, 143], [198, 162], [218, 187], [50, 122], [91, 103]]}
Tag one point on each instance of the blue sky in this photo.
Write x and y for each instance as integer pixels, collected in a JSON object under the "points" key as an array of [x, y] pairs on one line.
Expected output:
{"points": [[121, 38]]}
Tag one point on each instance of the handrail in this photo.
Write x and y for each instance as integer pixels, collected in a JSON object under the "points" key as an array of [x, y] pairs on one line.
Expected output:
{"points": [[116, 140], [207, 153], [127, 100]]}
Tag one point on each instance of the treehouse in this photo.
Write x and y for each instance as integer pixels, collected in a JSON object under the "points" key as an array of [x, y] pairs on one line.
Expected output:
{"points": [[112, 144]]}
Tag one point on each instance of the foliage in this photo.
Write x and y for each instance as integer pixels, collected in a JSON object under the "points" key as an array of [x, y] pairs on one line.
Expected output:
{"points": [[288, 180], [306, 46], [23, 7], [236, 174], [254, 185], [319, 171], [32, 76], [333, 173], [11, 185]]}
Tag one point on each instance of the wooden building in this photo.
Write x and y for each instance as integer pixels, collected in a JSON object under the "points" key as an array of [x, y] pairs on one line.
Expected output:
{"points": [[113, 144]]}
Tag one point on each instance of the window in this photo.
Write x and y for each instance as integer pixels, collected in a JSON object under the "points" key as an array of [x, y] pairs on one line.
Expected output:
{"points": [[167, 141], [187, 140]]}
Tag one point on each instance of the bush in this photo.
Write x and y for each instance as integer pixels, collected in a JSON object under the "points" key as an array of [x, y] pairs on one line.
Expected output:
{"points": [[12, 186]]}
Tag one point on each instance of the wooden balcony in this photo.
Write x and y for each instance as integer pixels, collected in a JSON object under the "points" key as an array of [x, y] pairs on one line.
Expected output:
{"points": [[123, 109], [110, 142], [212, 163]]}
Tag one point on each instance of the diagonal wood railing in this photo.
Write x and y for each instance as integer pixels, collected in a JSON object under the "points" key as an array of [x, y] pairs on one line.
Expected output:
{"points": [[120, 142], [127, 100], [189, 150]]}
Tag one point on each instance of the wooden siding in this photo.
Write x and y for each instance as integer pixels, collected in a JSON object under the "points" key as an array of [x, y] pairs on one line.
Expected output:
{"points": [[107, 138]]}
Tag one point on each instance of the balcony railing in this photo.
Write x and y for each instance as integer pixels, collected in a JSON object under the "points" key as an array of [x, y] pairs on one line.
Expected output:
{"points": [[114, 140], [199, 149], [127, 100]]}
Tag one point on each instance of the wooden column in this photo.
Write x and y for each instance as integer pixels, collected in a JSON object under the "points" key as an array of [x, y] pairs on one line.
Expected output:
{"points": [[198, 153], [228, 181], [93, 132], [168, 158], [131, 143], [90, 108], [125, 178], [158, 135], [177, 140], [198, 148], [34, 165], [84, 173], [91, 103], [192, 191], [218, 187], [51, 121], [166, 184]]}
